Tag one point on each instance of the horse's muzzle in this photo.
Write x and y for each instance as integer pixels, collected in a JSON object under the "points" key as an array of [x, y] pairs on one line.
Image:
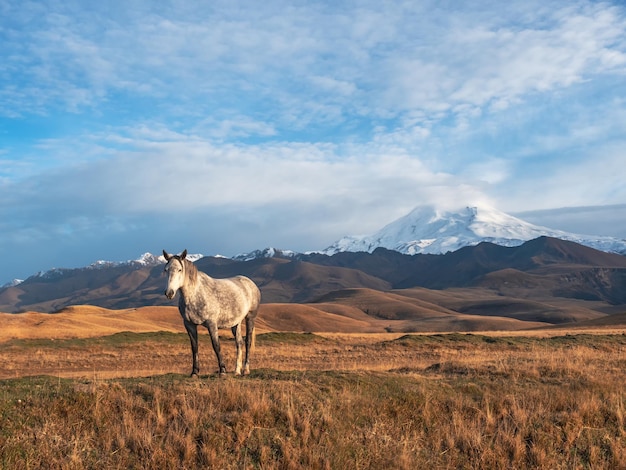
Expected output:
{"points": [[169, 294]]}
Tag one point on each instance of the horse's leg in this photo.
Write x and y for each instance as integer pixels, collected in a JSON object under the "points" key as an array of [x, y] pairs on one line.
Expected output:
{"points": [[249, 341], [192, 331], [239, 340], [215, 340]]}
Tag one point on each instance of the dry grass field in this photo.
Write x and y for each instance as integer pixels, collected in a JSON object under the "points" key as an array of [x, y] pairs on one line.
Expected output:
{"points": [[96, 398]]}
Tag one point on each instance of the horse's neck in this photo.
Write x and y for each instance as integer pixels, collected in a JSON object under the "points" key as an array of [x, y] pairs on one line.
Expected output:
{"points": [[191, 291]]}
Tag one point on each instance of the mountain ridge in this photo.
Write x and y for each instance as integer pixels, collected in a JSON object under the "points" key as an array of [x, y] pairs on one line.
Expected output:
{"points": [[542, 267]]}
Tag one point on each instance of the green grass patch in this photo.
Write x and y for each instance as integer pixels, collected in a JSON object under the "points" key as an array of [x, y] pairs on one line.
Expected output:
{"points": [[470, 339], [290, 338], [121, 339]]}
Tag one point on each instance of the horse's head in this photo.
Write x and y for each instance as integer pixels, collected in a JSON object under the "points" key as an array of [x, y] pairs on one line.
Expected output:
{"points": [[175, 268]]}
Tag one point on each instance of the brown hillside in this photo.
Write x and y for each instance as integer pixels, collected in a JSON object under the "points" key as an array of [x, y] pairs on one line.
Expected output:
{"points": [[547, 250], [607, 321], [476, 301], [301, 281], [308, 318], [423, 310], [386, 305], [86, 321]]}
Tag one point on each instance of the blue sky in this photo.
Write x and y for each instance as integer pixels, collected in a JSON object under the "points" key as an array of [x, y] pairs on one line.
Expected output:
{"points": [[224, 127]]}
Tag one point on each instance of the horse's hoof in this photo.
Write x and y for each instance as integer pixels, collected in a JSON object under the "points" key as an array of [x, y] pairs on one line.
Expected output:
{"points": [[194, 375]]}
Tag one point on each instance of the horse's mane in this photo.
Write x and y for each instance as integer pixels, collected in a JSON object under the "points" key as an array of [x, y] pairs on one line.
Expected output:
{"points": [[191, 271]]}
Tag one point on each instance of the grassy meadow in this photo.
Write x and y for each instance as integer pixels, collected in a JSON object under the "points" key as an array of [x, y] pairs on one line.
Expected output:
{"points": [[316, 401]]}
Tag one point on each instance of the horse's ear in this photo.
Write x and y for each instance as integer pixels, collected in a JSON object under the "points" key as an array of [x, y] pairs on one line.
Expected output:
{"points": [[166, 255], [183, 255]]}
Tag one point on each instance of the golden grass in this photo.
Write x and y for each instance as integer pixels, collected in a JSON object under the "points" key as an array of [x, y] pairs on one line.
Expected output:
{"points": [[313, 401]]}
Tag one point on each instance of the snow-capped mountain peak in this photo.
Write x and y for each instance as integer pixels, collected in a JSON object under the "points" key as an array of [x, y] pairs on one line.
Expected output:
{"points": [[269, 252], [427, 229], [148, 259], [13, 283]]}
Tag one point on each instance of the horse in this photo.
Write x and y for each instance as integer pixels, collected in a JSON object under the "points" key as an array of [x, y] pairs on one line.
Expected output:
{"points": [[213, 303]]}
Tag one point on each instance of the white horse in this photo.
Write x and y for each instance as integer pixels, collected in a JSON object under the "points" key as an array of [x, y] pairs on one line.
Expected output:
{"points": [[214, 303]]}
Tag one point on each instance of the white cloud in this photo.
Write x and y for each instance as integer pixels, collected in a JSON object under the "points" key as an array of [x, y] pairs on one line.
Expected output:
{"points": [[374, 59], [595, 175], [490, 170], [496, 64], [365, 187]]}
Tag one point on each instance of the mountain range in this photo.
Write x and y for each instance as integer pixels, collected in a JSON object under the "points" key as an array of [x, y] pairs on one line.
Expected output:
{"points": [[358, 281], [545, 281], [425, 230]]}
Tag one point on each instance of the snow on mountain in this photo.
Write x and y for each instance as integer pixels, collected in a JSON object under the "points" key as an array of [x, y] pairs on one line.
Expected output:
{"points": [[429, 230], [265, 253], [145, 260], [13, 283]]}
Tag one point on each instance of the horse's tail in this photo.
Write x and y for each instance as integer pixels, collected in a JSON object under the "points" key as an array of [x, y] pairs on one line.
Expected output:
{"points": [[255, 295], [250, 327], [253, 341]]}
